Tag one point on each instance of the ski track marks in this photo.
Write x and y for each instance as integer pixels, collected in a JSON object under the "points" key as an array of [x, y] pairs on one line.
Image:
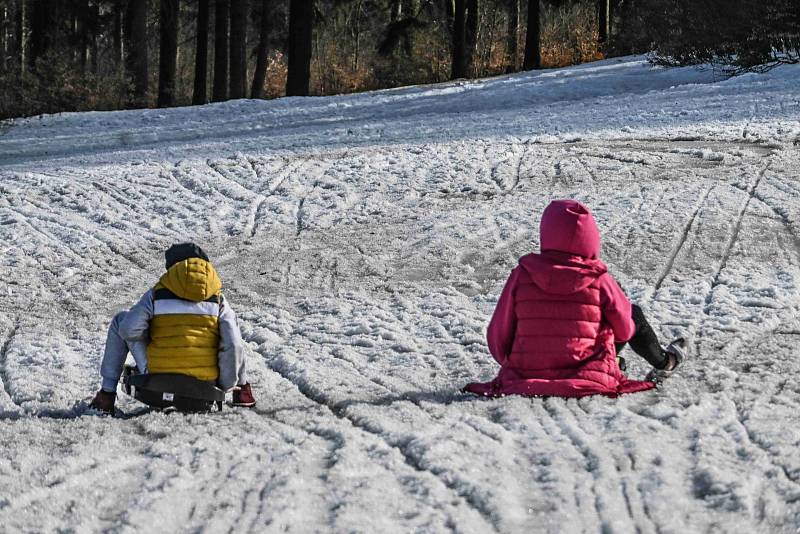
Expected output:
{"points": [[734, 235], [363, 280], [708, 485], [681, 242], [4, 378], [404, 447]]}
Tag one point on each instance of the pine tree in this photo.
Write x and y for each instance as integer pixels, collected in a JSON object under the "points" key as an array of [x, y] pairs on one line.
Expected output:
{"points": [[43, 13], [238, 49], [260, 75], [117, 7], [93, 31], [199, 96], [471, 36], [604, 20], [20, 43], [512, 35], [459, 52], [168, 51], [4, 15], [81, 38], [221, 22], [136, 49], [301, 19], [533, 53]]}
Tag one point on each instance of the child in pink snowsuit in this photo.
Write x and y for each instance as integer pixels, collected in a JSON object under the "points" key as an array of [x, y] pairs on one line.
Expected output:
{"points": [[560, 316]]}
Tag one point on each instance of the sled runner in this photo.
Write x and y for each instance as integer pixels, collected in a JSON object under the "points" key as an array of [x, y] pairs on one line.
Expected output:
{"points": [[171, 390]]}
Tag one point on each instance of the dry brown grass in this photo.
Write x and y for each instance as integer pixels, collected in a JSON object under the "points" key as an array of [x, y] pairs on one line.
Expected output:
{"points": [[570, 35]]}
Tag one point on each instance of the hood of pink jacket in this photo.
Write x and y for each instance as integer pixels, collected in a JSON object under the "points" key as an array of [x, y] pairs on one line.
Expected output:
{"points": [[568, 226]]}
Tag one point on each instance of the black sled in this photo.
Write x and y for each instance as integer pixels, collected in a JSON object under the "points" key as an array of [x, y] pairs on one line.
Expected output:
{"points": [[172, 391]]}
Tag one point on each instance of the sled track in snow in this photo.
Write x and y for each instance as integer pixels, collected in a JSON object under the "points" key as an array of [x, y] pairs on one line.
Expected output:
{"points": [[558, 175], [682, 241], [175, 176], [751, 193], [635, 503], [520, 161], [261, 200], [340, 411], [584, 451], [754, 440], [599, 463], [493, 171], [4, 361], [299, 217], [784, 219], [45, 223], [252, 223], [588, 169], [734, 236]]}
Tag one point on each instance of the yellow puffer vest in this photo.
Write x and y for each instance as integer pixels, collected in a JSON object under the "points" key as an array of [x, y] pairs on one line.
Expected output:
{"points": [[184, 330]]}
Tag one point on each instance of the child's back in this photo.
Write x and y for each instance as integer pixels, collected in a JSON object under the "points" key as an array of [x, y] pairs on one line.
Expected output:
{"points": [[560, 313]]}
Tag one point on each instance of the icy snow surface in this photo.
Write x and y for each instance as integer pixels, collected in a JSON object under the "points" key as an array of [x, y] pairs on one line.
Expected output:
{"points": [[363, 241]]}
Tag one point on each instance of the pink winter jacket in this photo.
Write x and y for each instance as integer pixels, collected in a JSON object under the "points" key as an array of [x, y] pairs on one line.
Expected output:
{"points": [[557, 319]]}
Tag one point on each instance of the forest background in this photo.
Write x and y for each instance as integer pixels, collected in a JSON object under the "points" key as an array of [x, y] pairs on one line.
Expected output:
{"points": [[78, 55]]}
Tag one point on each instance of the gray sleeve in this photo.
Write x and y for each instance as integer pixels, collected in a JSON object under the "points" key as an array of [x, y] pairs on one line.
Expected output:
{"points": [[231, 347], [136, 324]]}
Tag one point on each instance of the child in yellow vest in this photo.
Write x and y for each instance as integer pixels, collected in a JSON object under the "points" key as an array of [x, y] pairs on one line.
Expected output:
{"points": [[183, 325]]}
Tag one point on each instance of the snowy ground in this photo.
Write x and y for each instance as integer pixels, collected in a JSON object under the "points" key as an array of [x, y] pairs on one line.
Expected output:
{"points": [[363, 241]]}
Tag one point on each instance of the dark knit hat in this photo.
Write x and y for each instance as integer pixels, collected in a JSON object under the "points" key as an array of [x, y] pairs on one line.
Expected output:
{"points": [[183, 251]]}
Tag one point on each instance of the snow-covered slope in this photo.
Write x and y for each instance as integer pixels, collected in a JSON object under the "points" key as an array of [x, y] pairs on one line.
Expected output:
{"points": [[363, 241]]}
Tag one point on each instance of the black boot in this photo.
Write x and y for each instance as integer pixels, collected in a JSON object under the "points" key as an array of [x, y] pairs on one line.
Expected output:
{"points": [[104, 402], [675, 354]]}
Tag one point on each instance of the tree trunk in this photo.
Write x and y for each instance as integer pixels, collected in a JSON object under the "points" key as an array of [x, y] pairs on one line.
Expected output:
{"points": [[3, 38], [91, 37], [395, 10], [459, 63], [512, 36], [357, 36], [604, 20], [301, 19], [626, 23], [19, 36], [136, 49], [222, 17], [471, 36], [199, 95], [117, 37], [168, 51], [238, 49], [533, 53], [81, 14], [73, 42], [260, 75], [449, 14], [41, 30]]}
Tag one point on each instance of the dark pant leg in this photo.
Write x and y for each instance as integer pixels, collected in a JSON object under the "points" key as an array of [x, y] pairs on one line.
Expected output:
{"points": [[645, 342]]}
